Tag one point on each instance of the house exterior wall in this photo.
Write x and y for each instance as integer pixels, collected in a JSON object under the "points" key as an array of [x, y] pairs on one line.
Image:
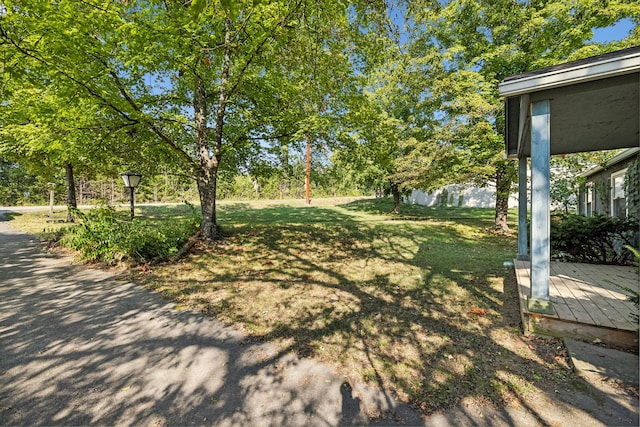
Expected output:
{"points": [[459, 196], [599, 184]]}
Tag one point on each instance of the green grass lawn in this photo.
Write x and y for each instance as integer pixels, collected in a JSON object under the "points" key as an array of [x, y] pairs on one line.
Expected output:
{"points": [[419, 303]]}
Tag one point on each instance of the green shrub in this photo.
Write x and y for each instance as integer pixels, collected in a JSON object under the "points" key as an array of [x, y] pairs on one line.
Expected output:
{"points": [[632, 188], [102, 235], [597, 240]]}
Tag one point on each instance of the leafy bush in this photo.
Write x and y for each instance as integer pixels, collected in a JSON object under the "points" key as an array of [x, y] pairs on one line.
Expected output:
{"points": [[597, 240], [102, 235], [632, 188]]}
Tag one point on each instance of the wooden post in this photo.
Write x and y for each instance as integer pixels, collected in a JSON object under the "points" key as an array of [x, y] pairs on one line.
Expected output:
{"points": [[51, 199], [307, 180], [540, 207], [523, 229]]}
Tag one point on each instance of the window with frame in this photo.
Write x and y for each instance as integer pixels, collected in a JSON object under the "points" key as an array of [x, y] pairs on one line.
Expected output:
{"points": [[588, 199], [618, 199]]}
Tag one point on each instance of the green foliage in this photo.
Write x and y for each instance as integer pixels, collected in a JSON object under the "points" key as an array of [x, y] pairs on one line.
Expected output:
{"points": [[598, 240], [464, 48], [102, 235], [632, 188], [203, 89], [17, 186], [565, 180]]}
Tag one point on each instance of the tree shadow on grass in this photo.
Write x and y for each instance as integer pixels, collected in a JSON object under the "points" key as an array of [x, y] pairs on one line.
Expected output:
{"points": [[9, 215], [431, 329], [418, 212], [80, 346], [278, 214]]}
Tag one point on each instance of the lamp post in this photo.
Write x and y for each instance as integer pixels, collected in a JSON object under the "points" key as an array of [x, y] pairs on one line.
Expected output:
{"points": [[131, 180]]}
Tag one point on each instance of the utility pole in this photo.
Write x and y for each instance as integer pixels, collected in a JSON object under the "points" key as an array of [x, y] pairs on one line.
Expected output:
{"points": [[307, 180]]}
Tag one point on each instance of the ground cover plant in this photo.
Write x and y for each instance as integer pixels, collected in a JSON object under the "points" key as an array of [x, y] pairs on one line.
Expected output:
{"points": [[419, 304], [102, 235], [107, 235]]}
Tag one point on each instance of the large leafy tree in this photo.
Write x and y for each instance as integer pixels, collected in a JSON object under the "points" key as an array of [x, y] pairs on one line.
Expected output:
{"points": [[480, 42], [197, 83], [46, 134], [393, 138]]}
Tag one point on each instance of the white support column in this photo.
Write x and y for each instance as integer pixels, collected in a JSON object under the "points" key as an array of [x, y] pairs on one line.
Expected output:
{"points": [[540, 207], [523, 229]]}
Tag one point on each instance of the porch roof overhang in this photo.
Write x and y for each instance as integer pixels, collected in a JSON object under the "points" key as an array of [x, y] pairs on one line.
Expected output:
{"points": [[594, 104]]}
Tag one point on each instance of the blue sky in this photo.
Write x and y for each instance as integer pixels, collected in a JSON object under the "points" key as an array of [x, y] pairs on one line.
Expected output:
{"points": [[614, 33]]}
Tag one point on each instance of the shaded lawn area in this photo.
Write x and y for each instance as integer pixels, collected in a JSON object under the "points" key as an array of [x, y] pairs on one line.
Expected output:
{"points": [[423, 308]]}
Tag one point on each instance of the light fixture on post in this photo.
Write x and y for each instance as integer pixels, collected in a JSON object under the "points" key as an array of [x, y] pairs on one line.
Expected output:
{"points": [[131, 180]]}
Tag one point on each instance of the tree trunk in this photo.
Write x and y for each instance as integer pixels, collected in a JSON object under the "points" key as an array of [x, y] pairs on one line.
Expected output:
{"points": [[71, 191], [502, 210], [284, 158], [396, 198], [208, 226], [208, 167], [505, 174], [209, 157], [307, 175]]}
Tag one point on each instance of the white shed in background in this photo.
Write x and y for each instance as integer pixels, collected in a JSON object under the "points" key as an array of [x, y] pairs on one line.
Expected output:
{"points": [[459, 196]]}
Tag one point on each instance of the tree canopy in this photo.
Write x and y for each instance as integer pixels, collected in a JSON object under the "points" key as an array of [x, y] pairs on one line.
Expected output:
{"points": [[194, 84], [404, 93], [472, 45]]}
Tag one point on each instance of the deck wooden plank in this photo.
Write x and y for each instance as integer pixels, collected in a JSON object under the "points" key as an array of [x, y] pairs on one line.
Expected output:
{"points": [[571, 294], [616, 310], [609, 289], [617, 300], [524, 286], [609, 307], [602, 312], [559, 294], [560, 287], [594, 282], [579, 304], [587, 302], [564, 311]]}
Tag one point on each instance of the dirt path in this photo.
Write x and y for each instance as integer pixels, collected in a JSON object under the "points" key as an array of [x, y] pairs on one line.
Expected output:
{"points": [[85, 346]]}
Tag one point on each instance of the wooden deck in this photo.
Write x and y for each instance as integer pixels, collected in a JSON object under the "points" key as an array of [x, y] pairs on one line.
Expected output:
{"points": [[588, 302]]}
